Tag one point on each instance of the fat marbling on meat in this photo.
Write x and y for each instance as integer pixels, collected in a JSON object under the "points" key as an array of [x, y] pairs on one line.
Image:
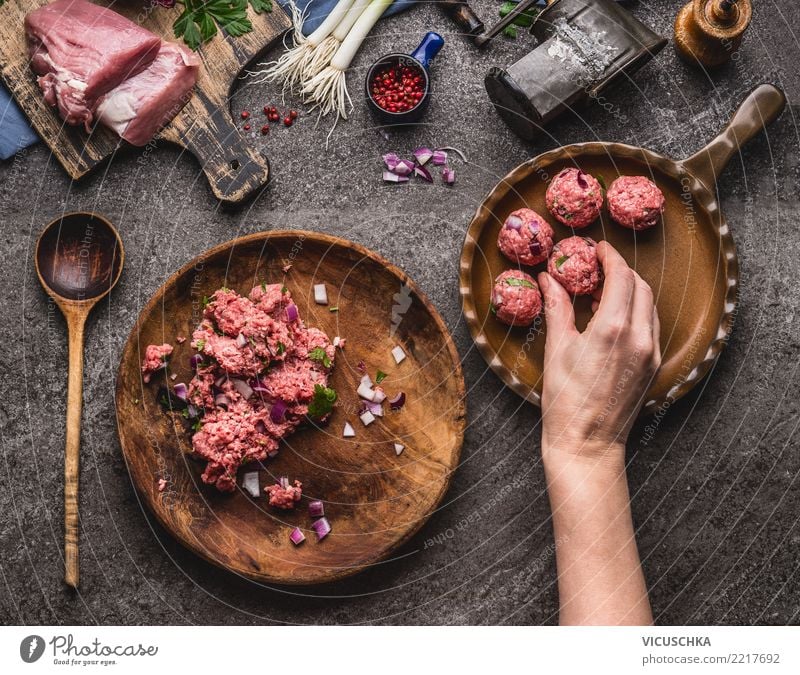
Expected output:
{"points": [[81, 51]]}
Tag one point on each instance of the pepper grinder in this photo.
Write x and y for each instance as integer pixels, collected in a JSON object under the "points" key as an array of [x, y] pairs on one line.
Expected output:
{"points": [[708, 32]]}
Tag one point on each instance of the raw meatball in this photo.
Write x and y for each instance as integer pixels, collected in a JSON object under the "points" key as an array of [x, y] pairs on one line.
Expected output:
{"points": [[516, 300], [635, 202], [525, 238], [574, 265], [574, 198]]}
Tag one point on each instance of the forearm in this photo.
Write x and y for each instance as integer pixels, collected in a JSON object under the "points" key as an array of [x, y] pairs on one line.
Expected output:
{"points": [[600, 578]]}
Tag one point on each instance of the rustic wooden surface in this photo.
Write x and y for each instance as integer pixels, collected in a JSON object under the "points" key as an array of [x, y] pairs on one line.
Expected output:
{"points": [[79, 259], [204, 126], [689, 260], [374, 499]]}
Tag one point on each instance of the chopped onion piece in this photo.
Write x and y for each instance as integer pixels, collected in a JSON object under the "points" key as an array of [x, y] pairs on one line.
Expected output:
{"points": [[448, 175], [316, 509], [367, 418], [244, 389], [390, 177], [336, 341], [322, 527], [250, 484], [398, 448], [365, 392], [220, 381], [284, 482], [192, 411], [241, 340], [398, 354], [423, 173], [375, 408], [195, 360], [181, 391], [291, 313], [221, 401], [514, 223], [366, 379], [439, 158], [378, 395], [348, 432], [422, 155], [297, 536], [397, 401], [277, 411], [404, 167], [391, 160], [320, 294]]}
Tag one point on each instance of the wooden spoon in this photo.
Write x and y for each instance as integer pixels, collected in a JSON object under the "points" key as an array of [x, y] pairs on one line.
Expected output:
{"points": [[79, 259]]}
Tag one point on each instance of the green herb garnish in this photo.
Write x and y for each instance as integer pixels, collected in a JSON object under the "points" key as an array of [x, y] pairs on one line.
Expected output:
{"points": [[492, 308], [510, 31], [264, 286], [380, 377], [519, 282], [199, 20], [524, 20], [322, 403], [281, 348], [200, 345], [333, 309], [319, 354], [284, 289], [197, 425], [205, 302], [561, 261], [252, 343]]}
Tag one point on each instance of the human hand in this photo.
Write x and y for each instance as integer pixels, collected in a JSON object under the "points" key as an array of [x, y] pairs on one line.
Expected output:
{"points": [[595, 381]]}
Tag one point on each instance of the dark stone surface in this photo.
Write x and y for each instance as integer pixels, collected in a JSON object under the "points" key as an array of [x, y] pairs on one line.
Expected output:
{"points": [[714, 490]]}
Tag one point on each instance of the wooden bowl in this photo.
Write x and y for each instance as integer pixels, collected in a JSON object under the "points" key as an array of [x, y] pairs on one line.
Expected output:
{"points": [[374, 499]]}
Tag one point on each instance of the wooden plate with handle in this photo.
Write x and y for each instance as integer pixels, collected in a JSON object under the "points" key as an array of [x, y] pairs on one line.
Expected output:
{"points": [[689, 260], [374, 499]]}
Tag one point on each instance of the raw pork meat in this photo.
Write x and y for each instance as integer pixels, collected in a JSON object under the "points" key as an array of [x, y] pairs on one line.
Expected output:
{"points": [[82, 51], [139, 107]]}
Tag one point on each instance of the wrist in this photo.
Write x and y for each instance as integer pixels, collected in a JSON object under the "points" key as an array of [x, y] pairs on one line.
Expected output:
{"points": [[580, 455]]}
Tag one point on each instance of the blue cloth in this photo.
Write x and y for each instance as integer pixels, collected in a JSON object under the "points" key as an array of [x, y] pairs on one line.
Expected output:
{"points": [[319, 9], [15, 131]]}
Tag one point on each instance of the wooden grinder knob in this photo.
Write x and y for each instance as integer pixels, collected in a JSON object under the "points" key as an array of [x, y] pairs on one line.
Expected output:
{"points": [[708, 32]]}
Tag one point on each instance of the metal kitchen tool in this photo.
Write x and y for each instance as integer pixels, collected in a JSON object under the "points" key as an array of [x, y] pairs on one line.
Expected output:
{"points": [[583, 46]]}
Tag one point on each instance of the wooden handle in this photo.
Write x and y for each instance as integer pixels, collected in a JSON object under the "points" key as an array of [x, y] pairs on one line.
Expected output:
{"points": [[75, 325], [234, 170], [463, 15], [762, 106]]}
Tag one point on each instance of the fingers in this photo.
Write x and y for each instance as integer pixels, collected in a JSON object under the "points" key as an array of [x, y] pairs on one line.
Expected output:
{"points": [[656, 338], [616, 302], [557, 308], [642, 307]]}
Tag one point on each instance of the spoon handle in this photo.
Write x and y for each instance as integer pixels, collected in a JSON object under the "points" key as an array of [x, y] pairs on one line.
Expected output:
{"points": [[75, 325]]}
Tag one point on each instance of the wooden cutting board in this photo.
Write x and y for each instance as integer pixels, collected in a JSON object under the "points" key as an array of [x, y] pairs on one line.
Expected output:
{"points": [[204, 127]]}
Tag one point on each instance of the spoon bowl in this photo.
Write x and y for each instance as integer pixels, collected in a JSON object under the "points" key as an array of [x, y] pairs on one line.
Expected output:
{"points": [[79, 259]]}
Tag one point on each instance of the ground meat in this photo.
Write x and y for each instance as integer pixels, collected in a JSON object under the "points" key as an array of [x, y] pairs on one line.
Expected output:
{"points": [[574, 265], [525, 238], [635, 202], [284, 496], [574, 198], [155, 357], [255, 381], [516, 299]]}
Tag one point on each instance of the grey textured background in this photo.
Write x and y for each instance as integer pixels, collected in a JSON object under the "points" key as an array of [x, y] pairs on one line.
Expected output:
{"points": [[714, 491]]}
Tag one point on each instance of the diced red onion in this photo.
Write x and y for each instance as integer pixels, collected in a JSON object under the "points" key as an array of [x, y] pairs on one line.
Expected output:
{"points": [[362, 367], [181, 391], [292, 314], [365, 392], [348, 432], [497, 299], [398, 448], [192, 411], [398, 354], [367, 418], [439, 157], [220, 381], [284, 482], [535, 247], [367, 380], [391, 160], [398, 401], [297, 536], [581, 180], [244, 389], [221, 401], [514, 223], [272, 453], [404, 167], [422, 155], [375, 408], [322, 527], [423, 173], [389, 177], [241, 340], [378, 395], [448, 175], [195, 360], [250, 484], [316, 509], [277, 411], [320, 294]]}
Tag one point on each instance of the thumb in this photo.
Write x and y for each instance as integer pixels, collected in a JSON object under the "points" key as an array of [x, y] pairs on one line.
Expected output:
{"points": [[557, 309]]}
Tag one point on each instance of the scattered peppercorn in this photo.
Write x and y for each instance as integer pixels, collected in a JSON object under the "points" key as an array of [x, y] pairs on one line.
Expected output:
{"points": [[265, 129], [245, 114], [293, 114], [288, 121], [247, 127]]}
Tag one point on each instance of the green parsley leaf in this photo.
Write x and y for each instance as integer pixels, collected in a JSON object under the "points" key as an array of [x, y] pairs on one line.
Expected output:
{"points": [[205, 301], [264, 286], [519, 282], [319, 354], [323, 401], [281, 348], [252, 343], [284, 289], [380, 377], [197, 426], [200, 345], [561, 261], [524, 20], [492, 308], [510, 31], [261, 6]]}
